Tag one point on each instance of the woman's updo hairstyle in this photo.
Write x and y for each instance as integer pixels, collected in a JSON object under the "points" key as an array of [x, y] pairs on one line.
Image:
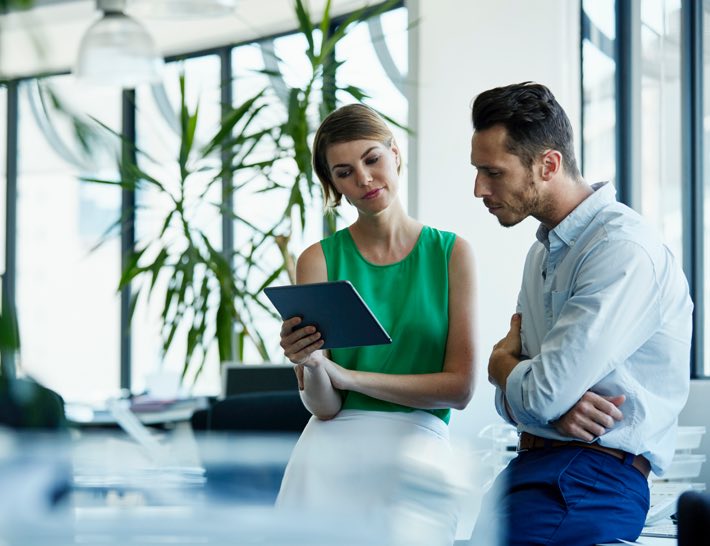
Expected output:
{"points": [[347, 123]]}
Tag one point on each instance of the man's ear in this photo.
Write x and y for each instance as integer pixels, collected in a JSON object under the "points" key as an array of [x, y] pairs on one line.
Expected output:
{"points": [[550, 164]]}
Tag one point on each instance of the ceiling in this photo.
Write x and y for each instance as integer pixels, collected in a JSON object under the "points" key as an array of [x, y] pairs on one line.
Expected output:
{"points": [[46, 38]]}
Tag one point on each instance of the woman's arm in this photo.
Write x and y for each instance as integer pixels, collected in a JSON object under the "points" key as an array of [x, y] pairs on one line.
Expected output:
{"points": [[301, 346], [453, 386]]}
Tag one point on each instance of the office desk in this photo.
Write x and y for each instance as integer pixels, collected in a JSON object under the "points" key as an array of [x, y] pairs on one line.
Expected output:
{"points": [[102, 487]]}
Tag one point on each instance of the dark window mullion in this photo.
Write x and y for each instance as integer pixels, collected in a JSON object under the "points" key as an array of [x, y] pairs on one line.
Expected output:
{"points": [[692, 165], [628, 100], [11, 170], [227, 98], [128, 230]]}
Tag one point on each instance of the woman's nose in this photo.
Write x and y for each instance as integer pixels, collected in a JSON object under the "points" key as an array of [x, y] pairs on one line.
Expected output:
{"points": [[363, 177]]}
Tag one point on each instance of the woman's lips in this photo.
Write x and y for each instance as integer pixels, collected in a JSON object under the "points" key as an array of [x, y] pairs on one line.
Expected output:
{"points": [[372, 194]]}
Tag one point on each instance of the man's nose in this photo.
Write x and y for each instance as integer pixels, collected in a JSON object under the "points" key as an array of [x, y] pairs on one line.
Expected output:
{"points": [[479, 187]]}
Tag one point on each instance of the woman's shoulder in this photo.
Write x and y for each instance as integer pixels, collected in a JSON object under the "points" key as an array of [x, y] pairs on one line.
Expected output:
{"points": [[447, 240], [440, 234], [311, 266]]}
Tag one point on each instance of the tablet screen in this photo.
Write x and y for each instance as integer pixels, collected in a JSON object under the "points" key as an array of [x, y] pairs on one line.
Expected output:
{"points": [[334, 308]]}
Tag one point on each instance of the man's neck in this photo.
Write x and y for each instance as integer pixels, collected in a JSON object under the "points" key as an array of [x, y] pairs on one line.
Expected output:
{"points": [[564, 195]]}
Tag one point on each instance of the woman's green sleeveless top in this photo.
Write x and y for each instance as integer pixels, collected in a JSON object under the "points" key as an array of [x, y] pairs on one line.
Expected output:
{"points": [[410, 298]]}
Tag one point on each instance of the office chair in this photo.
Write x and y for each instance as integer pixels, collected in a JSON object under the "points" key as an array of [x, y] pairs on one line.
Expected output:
{"points": [[266, 411], [693, 519], [25, 404]]}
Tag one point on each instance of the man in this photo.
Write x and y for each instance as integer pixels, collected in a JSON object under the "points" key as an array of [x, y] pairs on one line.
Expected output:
{"points": [[604, 317]]}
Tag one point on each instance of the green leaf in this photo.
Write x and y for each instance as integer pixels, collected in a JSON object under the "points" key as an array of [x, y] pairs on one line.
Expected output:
{"points": [[157, 266], [306, 27], [325, 22], [355, 92], [271, 278], [363, 14], [224, 328], [224, 134], [131, 269]]}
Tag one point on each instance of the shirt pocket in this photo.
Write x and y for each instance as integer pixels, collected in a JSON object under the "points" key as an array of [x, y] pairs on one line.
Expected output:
{"points": [[557, 302]]}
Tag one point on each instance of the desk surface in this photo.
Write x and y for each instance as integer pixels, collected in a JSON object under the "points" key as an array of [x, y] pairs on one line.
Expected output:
{"points": [[149, 412], [150, 494]]}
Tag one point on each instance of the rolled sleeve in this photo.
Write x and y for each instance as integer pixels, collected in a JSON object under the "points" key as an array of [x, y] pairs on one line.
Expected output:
{"points": [[501, 408], [515, 394]]}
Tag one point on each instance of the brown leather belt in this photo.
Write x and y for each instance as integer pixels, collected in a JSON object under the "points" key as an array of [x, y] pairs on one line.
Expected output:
{"points": [[528, 442]]}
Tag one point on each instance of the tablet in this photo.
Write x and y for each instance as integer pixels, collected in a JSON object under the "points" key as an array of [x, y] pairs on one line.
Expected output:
{"points": [[334, 308]]}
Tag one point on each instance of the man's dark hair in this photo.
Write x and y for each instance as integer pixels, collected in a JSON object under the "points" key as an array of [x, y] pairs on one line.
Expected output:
{"points": [[534, 120]]}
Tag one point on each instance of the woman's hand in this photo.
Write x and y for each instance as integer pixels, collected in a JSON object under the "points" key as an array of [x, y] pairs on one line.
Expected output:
{"points": [[300, 344], [340, 377]]}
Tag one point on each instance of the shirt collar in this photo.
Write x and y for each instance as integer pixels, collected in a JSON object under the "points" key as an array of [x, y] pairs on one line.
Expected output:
{"points": [[569, 229]]}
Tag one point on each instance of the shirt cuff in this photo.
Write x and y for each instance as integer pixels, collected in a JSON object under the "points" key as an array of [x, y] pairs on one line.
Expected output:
{"points": [[515, 393], [501, 409]]}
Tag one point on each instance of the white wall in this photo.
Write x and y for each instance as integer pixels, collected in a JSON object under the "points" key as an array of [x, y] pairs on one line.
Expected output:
{"points": [[465, 47]]}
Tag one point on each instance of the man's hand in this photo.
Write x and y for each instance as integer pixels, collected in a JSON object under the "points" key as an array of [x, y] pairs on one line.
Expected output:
{"points": [[591, 417], [506, 354]]}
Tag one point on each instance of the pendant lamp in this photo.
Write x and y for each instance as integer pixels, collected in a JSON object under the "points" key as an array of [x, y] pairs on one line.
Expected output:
{"points": [[182, 8], [117, 50]]}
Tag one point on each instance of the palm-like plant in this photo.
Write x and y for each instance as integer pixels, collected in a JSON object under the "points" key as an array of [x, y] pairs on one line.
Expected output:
{"points": [[199, 289], [323, 90], [212, 295]]}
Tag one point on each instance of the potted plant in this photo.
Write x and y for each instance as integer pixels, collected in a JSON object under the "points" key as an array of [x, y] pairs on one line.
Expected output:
{"points": [[211, 296]]}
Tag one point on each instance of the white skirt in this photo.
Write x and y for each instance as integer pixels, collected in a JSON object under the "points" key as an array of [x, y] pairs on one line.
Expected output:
{"points": [[391, 467]]}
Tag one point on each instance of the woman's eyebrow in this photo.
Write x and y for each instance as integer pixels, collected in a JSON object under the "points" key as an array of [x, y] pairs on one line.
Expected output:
{"points": [[361, 157]]}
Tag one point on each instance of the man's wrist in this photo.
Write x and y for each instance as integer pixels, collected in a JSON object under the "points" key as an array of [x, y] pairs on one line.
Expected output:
{"points": [[500, 366]]}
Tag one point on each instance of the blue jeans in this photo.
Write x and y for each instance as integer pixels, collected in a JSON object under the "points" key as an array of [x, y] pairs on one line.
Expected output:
{"points": [[567, 496]]}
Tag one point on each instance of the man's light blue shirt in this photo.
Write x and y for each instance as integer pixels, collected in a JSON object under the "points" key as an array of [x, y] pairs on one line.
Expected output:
{"points": [[605, 307]]}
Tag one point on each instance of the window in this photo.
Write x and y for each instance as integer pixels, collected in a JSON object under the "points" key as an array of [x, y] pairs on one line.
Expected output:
{"points": [[599, 99], [383, 79], [662, 177], [158, 136], [68, 305], [68, 308], [3, 178], [660, 169], [705, 368]]}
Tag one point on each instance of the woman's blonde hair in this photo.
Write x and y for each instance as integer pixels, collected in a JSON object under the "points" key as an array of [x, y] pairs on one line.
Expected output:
{"points": [[347, 123]]}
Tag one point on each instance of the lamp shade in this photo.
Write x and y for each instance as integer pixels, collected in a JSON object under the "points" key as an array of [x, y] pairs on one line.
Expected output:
{"points": [[117, 50], [182, 8]]}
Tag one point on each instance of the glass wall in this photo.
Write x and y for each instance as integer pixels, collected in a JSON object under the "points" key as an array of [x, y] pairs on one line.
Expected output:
{"points": [[67, 297], [598, 91], [3, 177], [383, 81], [158, 142], [660, 184], [706, 173], [68, 307]]}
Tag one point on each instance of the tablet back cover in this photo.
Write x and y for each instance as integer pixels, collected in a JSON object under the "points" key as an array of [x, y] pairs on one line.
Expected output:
{"points": [[334, 308]]}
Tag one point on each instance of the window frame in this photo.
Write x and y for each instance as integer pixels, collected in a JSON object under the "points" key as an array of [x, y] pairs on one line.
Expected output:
{"points": [[128, 197]]}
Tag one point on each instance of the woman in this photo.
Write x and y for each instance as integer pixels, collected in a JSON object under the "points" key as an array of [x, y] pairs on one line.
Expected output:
{"points": [[370, 401]]}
